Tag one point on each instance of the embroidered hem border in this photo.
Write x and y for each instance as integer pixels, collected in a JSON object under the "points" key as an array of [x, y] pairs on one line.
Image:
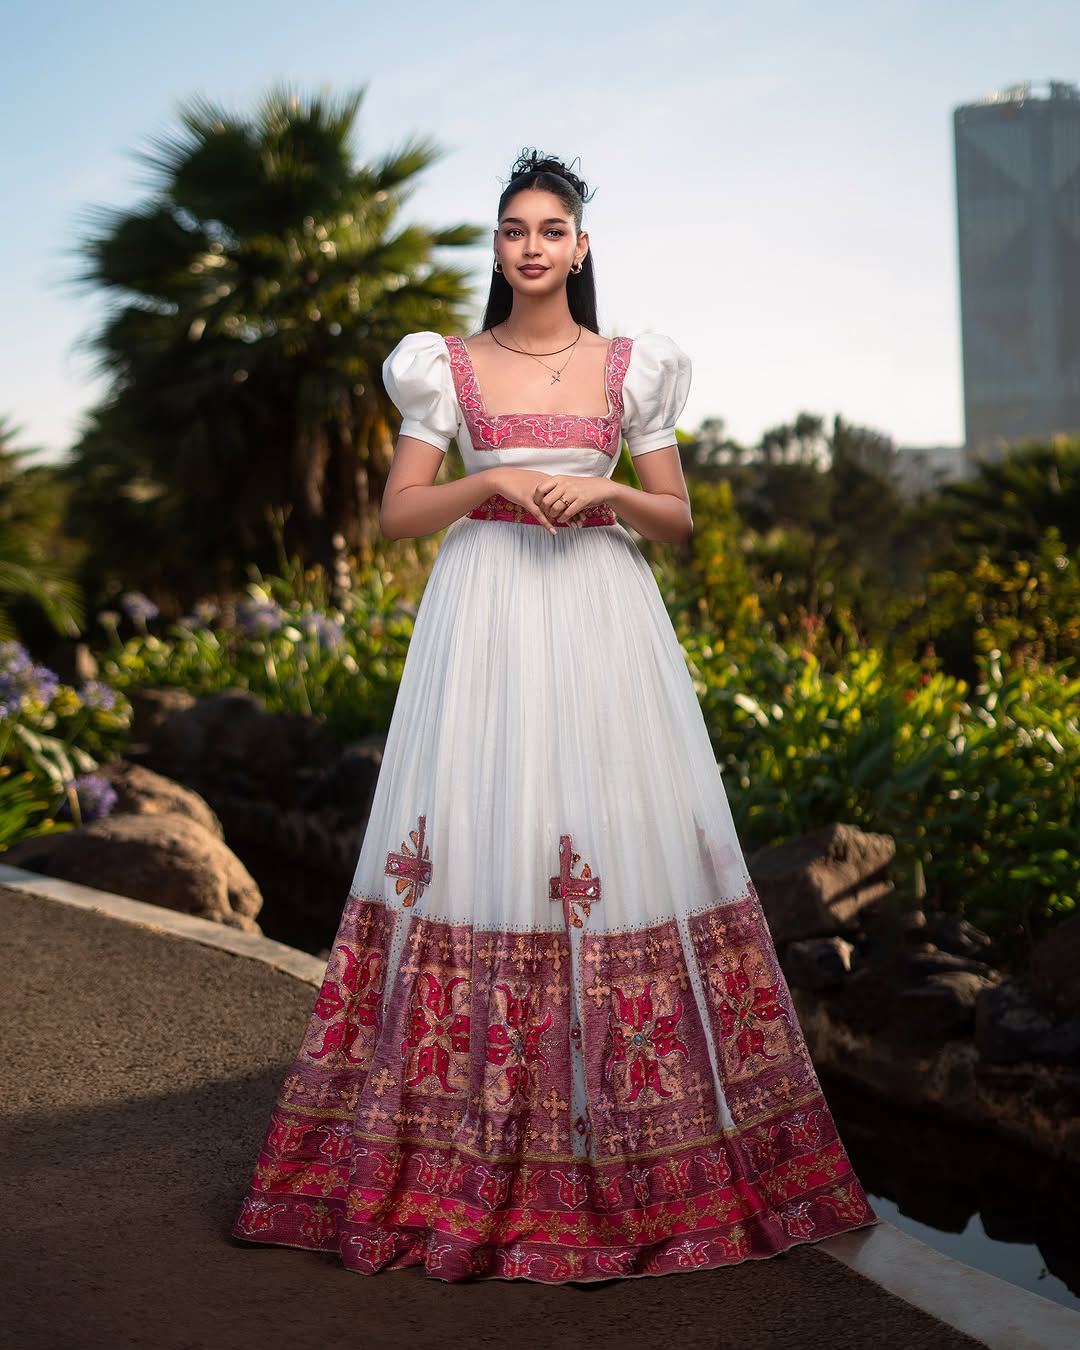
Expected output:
{"points": [[432, 1118]]}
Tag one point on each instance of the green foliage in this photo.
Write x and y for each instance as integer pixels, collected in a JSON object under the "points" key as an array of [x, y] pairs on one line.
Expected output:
{"points": [[52, 738], [1029, 608], [822, 529], [707, 586], [979, 787], [24, 807], [31, 573], [300, 642], [1005, 509]]}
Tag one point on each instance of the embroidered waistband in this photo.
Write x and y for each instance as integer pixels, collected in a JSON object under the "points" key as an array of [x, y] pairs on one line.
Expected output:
{"points": [[498, 508]]}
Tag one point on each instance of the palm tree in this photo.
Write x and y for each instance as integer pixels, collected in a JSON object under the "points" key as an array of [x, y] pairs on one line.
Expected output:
{"points": [[29, 571], [255, 295]]}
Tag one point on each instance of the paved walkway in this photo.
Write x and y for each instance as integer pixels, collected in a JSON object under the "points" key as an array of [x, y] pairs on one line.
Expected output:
{"points": [[140, 1071]]}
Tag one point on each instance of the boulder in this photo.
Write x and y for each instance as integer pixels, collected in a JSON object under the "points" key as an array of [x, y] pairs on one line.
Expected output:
{"points": [[817, 885], [927, 960], [1035, 1105], [141, 791], [228, 743], [949, 933], [349, 783], [1013, 1024], [942, 1006], [150, 707], [164, 859], [1054, 968], [817, 963]]}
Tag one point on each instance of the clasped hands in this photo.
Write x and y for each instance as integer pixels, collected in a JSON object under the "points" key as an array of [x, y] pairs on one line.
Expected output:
{"points": [[554, 497]]}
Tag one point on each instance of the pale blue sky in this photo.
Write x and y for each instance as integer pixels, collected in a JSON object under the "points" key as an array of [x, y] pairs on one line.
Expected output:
{"points": [[774, 179]]}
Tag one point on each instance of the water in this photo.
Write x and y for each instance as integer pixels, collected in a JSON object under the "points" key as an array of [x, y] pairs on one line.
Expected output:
{"points": [[1020, 1263], [992, 1204]]}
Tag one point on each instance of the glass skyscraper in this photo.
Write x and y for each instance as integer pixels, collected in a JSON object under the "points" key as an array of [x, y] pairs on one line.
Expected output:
{"points": [[1018, 219]]}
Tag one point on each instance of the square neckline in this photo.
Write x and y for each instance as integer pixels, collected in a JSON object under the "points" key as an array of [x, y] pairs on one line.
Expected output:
{"points": [[614, 408]]}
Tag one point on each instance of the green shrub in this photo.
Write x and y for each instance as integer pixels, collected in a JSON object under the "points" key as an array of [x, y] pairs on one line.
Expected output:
{"points": [[978, 786], [52, 738], [286, 641]]}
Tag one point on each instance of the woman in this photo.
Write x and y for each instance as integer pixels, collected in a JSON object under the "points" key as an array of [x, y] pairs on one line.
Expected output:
{"points": [[553, 1041]]}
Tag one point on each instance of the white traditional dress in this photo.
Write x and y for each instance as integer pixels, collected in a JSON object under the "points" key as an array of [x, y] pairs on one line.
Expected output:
{"points": [[553, 1040]]}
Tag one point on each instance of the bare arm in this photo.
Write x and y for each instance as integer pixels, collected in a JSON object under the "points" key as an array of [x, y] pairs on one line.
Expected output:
{"points": [[414, 504], [659, 510]]}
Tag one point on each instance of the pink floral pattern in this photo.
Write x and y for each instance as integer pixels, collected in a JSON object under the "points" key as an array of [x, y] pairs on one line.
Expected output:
{"points": [[499, 508], [528, 430], [451, 1141]]}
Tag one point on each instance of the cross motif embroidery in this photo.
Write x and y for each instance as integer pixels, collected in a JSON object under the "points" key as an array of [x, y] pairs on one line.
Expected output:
{"points": [[575, 892], [411, 869]]}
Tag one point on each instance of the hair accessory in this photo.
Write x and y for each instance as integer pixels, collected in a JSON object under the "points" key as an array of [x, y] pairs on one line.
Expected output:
{"points": [[532, 161]]}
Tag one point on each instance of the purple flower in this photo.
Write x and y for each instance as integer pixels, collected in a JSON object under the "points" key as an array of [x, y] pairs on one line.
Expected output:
{"points": [[14, 657], [328, 632], [96, 795], [138, 607], [10, 697], [97, 694], [22, 681], [42, 684], [259, 617]]}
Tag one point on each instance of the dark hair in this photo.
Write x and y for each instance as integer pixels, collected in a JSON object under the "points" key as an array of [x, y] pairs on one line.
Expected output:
{"points": [[542, 172]]}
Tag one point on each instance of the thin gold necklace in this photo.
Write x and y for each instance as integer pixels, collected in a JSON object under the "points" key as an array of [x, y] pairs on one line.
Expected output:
{"points": [[556, 374]]}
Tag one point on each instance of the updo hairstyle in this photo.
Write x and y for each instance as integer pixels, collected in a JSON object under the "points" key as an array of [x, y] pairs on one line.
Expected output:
{"points": [[533, 170]]}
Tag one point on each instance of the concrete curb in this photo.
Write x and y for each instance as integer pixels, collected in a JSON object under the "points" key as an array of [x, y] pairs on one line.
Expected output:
{"points": [[300, 964], [999, 1315]]}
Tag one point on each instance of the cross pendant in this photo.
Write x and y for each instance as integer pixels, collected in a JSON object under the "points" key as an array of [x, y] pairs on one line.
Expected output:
{"points": [[556, 378]]}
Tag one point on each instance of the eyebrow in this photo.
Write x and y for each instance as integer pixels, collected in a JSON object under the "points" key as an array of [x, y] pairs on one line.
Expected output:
{"points": [[551, 220]]}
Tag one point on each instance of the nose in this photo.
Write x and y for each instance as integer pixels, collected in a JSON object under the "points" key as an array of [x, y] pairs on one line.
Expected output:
{"points": [[532, 246]]}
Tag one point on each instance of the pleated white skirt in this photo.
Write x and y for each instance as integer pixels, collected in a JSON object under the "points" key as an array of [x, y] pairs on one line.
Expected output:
{"points": [[545, 694]]}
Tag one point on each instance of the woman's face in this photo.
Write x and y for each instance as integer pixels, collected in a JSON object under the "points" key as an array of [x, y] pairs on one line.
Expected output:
{"points": [[536, 242]]}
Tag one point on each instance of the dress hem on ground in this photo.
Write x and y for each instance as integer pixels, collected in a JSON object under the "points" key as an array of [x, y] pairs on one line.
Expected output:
{"points": [[483, 1126]]}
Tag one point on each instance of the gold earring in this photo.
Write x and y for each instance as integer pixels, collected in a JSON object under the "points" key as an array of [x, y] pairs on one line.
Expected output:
{"points": [[576, 267], [498, 266]]}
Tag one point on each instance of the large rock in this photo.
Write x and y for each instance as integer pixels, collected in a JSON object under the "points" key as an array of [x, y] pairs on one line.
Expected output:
{"points": [[1054, 968], [927, 960], [150, 707], [942, 1006], [816, 886], [163, 859], [1035, 1104], [817, 963], [292, 802], [952, 934], [228, 743], [141, 791], [1013, 1024]]}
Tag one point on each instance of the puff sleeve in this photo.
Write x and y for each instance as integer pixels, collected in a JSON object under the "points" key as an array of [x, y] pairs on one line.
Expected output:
{"points": [[654, 392], [417, 377]]}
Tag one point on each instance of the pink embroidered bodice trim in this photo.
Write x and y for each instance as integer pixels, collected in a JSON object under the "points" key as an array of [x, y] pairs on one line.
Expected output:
{"points": [[527, 430]]}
